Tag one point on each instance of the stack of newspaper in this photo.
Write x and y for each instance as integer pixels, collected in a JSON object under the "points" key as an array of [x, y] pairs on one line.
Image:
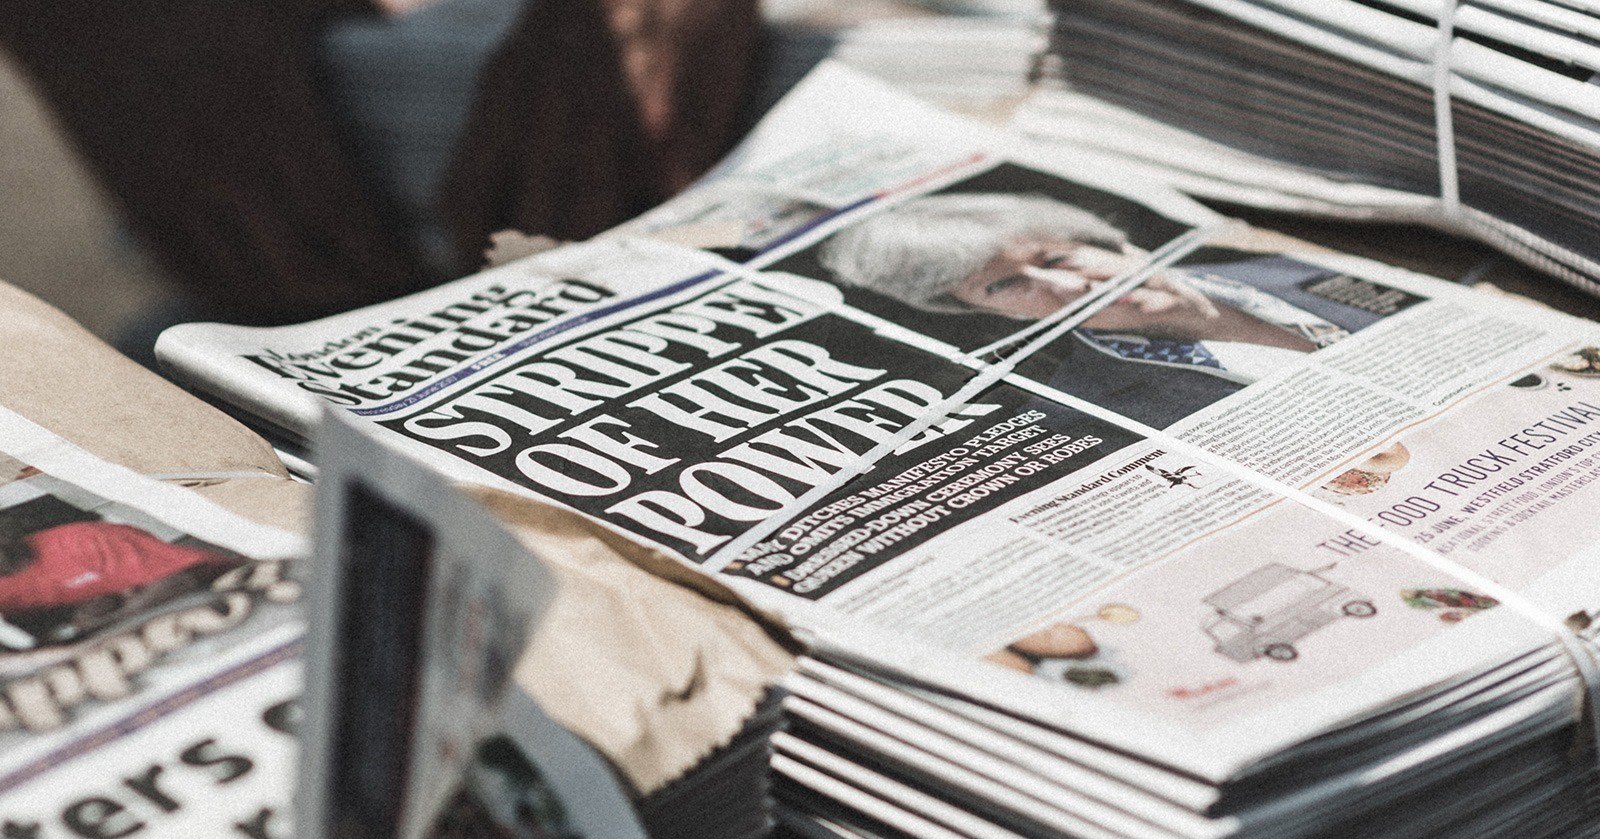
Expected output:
{"points": [[1103, 515], [521, 694], [150, 639], [1335, 107]]}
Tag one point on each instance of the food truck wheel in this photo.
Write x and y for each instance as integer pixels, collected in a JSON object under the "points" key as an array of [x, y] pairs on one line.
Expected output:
{"points": [[1280, 652], [1360, 609]]}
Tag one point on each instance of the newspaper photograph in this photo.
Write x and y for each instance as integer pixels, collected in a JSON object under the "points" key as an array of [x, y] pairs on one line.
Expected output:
{"points": [[117, 594], [1209, 326], [975, 261]]}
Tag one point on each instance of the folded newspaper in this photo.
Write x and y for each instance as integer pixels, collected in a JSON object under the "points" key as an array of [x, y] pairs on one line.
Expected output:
{"points": [[1102, 515], [1480, 116], [55, 373], [149, 653], [491, 653], [150, 640]]}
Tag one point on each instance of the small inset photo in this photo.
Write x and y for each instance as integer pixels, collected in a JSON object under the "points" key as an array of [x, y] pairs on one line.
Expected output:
{"points": [[1068, 652], [1214, 323], [503, 796]]}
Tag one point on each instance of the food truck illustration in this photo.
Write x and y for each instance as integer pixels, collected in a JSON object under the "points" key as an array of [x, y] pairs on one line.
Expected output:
{"points": [[1264, 613]]}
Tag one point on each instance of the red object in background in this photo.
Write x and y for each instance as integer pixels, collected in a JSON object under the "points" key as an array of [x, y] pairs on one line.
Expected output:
{"points": [[78, 562]]}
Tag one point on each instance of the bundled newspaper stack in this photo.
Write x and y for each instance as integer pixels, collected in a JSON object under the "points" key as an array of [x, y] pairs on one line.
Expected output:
{"points": [[522, 686], [151, 640], [867, 757], [1480, 116], [1102, 515]]}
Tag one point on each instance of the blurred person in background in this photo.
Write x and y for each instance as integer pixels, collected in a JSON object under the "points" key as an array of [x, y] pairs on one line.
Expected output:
{"points": [[283, 161]]}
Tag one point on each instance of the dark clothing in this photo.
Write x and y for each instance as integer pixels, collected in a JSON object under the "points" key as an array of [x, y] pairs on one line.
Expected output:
{"points": [[203, 122], [1288, 280], [1160, 395], [560, 66], [77, 562], [208, 124], [511, 170], [1155, 396], [399, 90]]}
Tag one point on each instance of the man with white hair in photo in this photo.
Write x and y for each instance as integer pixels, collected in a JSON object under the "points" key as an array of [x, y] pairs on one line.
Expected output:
{"points": [[1182, 340]]}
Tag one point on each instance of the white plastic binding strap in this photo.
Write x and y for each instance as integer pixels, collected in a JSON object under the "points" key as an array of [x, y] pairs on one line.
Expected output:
{"points": [[1038, 336], [1578, 650], [1444, 126], [228, 475]]}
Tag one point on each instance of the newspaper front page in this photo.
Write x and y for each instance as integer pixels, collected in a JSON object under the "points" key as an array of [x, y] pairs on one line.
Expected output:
{"points": [[1068, 444]]}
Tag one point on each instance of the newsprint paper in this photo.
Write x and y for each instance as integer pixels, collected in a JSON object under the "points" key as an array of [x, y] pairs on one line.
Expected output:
{"points": [[424, 593], [1010, 426], [149, 653]]}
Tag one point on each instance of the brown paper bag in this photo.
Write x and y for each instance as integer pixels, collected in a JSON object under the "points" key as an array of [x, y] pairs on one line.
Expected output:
{"points": [[652, 664], [54, 372]]}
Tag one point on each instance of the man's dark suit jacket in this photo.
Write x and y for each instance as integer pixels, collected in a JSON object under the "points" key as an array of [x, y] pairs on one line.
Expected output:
{"points": [[1160, 395]]}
